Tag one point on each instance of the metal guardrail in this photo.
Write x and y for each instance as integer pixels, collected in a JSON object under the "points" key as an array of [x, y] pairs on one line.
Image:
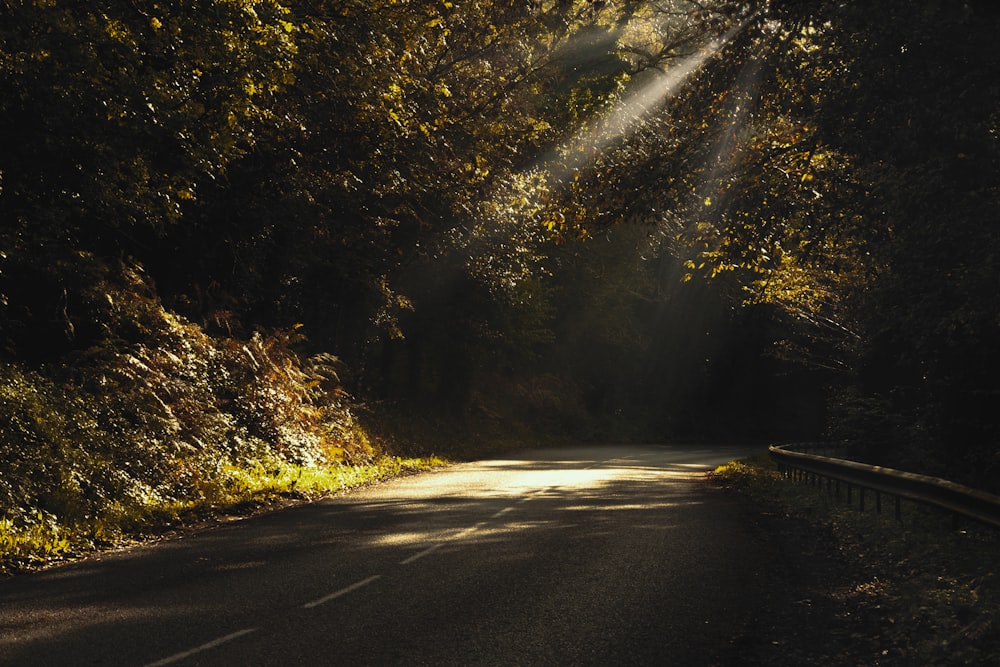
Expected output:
{"points": [[956, 498]]}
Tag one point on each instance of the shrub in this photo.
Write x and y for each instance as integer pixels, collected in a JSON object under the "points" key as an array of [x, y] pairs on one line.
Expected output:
{"points": [[157, 414]]}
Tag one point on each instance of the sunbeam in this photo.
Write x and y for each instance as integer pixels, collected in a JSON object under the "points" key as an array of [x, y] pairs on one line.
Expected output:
{"points": [[648, 94], [726, 152], [499, 236]]}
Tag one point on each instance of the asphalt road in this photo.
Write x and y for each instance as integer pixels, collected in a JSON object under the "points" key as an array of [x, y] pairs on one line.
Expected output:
{"points": [[586, 556]]}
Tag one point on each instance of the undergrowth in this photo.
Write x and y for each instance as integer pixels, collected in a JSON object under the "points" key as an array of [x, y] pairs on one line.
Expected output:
{"points": [[156, 422], [932, 586]]}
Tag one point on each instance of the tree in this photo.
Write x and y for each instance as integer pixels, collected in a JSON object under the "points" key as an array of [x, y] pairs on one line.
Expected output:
{"points": [[839, 163], [113, 117], [403, 161]]}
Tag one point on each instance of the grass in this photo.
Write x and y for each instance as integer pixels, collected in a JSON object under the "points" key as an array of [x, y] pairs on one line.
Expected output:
{"points": [[921, 590], [44, 540], [35, 538]]}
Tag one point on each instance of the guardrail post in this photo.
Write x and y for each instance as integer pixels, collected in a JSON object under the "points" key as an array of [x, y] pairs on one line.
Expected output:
{"points": [[960, 501]]}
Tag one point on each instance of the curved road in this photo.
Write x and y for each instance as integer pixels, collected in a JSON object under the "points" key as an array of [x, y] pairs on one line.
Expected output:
{"points": [[585, 556]]}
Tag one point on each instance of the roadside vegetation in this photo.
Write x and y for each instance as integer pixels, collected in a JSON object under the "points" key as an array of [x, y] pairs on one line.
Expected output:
{"points": [[864, 588], [48, 538]]}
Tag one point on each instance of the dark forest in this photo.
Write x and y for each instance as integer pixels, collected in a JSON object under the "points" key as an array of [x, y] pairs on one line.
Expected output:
{"points": [[239, 237]]}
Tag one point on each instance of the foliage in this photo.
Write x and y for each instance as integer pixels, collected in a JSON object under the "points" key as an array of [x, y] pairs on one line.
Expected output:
{"points": [[836, 164], [115, 113], [31, 541], [907, 128], [159, 414]]}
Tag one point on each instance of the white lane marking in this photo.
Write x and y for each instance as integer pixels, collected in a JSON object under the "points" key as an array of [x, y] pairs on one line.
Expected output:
{"points": [[198, 649], [343, 591], [598, 464], [438, 545], [469, 530], [421, 554]]}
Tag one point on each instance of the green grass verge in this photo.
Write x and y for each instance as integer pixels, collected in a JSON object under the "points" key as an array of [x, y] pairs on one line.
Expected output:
{"points": [[44, 540], [938, 595]]}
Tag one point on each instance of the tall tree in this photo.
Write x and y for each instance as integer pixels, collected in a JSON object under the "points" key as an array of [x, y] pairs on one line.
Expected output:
{"points": [[114, 114], [840, 163]]}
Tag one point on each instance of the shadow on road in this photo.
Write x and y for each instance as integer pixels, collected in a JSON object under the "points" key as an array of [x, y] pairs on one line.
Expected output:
{"points": [[521, 523]]}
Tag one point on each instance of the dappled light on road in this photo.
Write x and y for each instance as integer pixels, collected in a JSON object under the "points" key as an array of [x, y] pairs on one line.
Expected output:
{"points": [[501, 512]]}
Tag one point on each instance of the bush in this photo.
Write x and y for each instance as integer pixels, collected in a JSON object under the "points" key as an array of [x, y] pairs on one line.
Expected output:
{"points": [[157, 414]]}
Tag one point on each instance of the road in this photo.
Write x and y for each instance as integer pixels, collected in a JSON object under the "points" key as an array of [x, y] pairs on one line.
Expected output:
{"points": [[579, 556]]}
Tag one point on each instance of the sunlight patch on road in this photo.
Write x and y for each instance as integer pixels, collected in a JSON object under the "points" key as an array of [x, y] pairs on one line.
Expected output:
{"points": [[415, 537], [634, 507]]}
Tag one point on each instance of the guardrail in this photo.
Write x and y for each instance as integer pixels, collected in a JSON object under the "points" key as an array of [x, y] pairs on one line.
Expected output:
{"points": [[958, 499]]}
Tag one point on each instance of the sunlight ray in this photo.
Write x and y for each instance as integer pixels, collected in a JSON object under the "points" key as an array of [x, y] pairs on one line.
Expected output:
{"points": [[647, 95], [725, 155]]}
